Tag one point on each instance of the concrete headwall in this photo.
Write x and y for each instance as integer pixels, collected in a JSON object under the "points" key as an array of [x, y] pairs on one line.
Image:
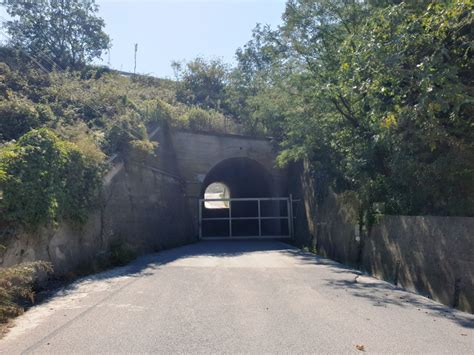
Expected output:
{"points": [[431, 255], [197, 153], [142, 205]]}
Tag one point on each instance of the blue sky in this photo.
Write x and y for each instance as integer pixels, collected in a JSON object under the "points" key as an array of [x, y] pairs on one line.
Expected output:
{"points": [[167, 30]]}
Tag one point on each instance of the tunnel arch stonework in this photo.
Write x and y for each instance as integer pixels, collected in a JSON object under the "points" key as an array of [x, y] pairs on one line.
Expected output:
{"points": [[203, 158]]}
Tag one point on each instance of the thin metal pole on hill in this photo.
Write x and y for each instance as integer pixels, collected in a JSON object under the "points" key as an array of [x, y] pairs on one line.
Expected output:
{"points": [[135, 59]]}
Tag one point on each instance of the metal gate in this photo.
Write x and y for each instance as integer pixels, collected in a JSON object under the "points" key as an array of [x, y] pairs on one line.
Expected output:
{"points": [[246, 218]]}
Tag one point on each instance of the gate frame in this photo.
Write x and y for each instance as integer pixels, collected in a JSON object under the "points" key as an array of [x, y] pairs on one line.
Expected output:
{"points": [[288, 217]]}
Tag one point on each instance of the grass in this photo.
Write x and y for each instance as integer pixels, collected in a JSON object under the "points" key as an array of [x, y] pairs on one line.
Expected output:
{"points": [[19, 284], [17, 288]]}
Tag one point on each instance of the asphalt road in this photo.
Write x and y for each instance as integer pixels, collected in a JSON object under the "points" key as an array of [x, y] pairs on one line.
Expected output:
{"points": [[238, 297]]}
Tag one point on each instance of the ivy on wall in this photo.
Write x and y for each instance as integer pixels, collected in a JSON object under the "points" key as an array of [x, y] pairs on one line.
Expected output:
{"points": [[44, 179]]}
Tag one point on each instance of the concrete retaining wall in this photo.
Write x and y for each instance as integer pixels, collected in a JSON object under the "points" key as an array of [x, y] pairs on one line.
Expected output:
{"points": [[143, 206], [147, 205], [431, 255]]}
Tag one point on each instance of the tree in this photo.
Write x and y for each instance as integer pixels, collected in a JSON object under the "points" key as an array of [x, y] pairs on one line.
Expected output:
{"points": [[410, 69], [202, 82], [254, 88], [67, 31], [377, 94]]}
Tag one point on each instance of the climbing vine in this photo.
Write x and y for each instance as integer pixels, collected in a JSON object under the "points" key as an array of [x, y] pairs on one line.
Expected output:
{"points": [[44, 179]]}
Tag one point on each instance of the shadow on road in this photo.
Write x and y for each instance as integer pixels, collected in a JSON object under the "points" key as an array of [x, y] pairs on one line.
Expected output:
{"points": [[384, 294], [380, 293], [145, 265]]}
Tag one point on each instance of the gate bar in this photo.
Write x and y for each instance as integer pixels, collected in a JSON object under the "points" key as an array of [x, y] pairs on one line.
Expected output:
{"points": [[230, 219], [246, 199], [259, 220], [289, 216], [237, 218], [200, 218]]}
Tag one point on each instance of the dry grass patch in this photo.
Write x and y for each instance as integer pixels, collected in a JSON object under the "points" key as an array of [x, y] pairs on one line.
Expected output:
{"points": [[17, 288]]}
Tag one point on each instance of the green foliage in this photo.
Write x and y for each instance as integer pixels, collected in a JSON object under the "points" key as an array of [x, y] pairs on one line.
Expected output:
{"points": [[17, 286], [205, 120], [121, 254], [377, 95], [122, 130], [116, 106], [255, 88], [201, 82], [45, 179], [21, 78], [161, 112], [85, 139], [57, 125], [141, 150], [17, 116], [414, 93], [68, 32], [198, 119], [54, 174]]}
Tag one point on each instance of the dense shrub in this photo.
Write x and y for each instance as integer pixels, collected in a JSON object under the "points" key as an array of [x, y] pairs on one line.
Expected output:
{"points": [[122, 130], [205, 120], [44, 179], [141, 150], [117, 105], [202, 82], [17, 116], [17, 286], [121, 254], [162, 112]]}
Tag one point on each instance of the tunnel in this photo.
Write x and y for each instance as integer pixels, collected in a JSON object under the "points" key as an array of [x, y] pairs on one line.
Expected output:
{"points": [[241, 178]]}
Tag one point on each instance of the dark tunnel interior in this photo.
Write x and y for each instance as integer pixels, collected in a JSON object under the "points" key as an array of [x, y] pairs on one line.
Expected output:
{"points": [[244, 178]]}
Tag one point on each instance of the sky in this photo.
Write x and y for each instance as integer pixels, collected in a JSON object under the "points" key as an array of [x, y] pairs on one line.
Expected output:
{"points": [[168, 30]]}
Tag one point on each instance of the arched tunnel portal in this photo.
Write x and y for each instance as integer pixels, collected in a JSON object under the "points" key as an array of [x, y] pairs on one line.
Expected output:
{"points": [[244, 177], [245, 165], [247, 181]]}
